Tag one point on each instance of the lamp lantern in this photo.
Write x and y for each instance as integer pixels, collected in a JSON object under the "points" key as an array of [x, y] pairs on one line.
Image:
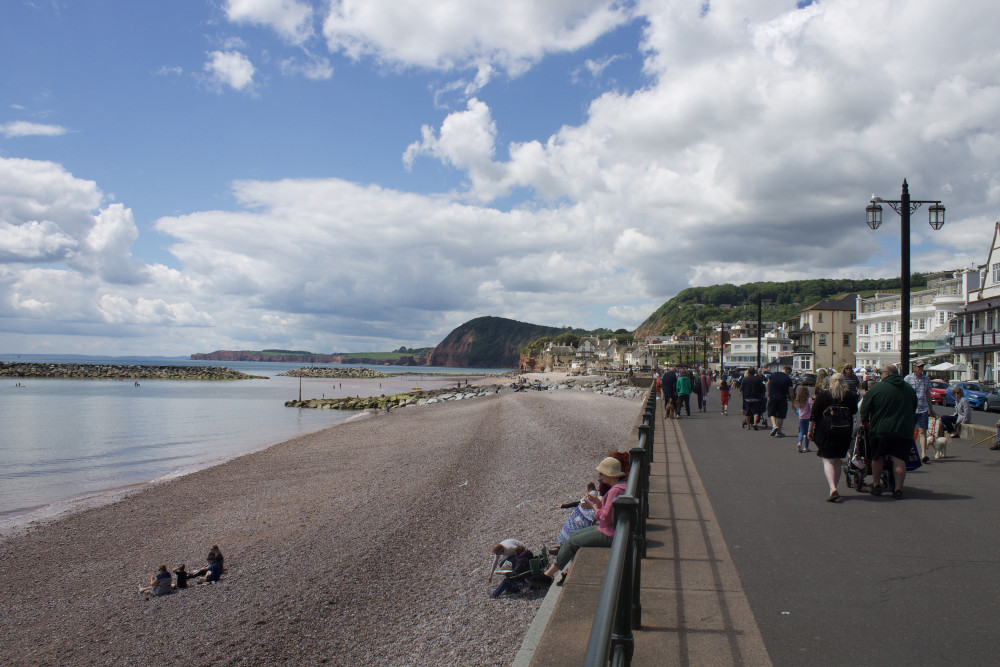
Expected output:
{"points": [[874, 217], [936, 216]]}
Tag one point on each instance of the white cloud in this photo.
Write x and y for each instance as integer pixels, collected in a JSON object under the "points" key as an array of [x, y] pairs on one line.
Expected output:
{"points": [[23, 128], [749, 154], [449, 34], [314, 68], [230, 68], [289, 18]]}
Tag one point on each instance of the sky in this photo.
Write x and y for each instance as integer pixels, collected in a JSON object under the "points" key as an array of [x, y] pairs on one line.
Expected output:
{"points": [[360, 175]]}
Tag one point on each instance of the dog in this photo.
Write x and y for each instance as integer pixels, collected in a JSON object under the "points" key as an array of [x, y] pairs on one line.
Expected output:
{"points": [[939, 445], [939, 440], [670, 409]]}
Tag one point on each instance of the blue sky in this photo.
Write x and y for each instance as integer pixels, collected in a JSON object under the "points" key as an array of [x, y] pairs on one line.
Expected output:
{"points": [[350, 176]]}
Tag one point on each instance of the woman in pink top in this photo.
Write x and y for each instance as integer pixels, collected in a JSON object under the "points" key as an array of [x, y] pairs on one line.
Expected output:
{"points": [[803, 404], [602, 533]]}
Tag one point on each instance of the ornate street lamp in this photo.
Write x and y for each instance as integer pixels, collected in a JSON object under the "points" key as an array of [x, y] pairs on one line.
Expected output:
{"points": [[904, 207]]}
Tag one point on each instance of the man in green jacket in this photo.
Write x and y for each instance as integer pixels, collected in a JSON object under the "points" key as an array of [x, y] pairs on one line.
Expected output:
{"points": [[684, 392], [887, 410]]}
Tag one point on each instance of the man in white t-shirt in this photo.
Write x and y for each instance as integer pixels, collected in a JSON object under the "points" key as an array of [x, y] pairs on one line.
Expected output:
{"points": [[504, 552]]}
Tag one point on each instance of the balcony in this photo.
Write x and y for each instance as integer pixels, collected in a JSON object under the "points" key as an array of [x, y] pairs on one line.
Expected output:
{"points": [[974, 341]]}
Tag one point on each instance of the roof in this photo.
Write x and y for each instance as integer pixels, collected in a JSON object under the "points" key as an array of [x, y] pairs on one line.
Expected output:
{"points": [[980, 306], [846, 302]]}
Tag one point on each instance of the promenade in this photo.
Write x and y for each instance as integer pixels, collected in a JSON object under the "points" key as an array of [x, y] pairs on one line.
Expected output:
{"points": [[748, 565]]}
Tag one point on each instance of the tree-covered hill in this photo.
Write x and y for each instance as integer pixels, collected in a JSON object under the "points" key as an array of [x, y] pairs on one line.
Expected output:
{"points": [[696, 306]]}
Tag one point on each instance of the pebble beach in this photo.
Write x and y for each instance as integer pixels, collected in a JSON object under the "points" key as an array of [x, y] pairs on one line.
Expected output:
{"points": [[366, 543]]}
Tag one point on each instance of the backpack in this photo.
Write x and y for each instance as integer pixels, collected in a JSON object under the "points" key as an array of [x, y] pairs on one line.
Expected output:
{"points": [[838, 422]]}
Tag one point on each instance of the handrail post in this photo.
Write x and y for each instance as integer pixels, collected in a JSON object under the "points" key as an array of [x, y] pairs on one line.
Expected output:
{"points": [[622, 633], [637, 457], [646, 440]]}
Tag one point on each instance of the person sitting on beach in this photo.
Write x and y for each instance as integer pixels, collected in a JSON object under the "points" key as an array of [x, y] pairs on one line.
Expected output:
{"points": [[159, 583], [182, 577], [504, 552], [214, 570], [580, 517], [599, 535]]}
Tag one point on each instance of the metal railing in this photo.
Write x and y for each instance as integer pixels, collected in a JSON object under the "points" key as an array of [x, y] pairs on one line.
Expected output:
{"points": [[619, 610]]}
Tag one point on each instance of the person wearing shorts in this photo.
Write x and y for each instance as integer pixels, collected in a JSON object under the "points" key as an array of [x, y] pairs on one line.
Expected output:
{"points": [[753, 392], [779, 392], [888, 410], [922, 387]]}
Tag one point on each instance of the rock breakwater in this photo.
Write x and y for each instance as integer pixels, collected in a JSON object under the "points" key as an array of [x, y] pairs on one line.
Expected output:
{"points": [[608, 387], [123, 372], [324, 372]]}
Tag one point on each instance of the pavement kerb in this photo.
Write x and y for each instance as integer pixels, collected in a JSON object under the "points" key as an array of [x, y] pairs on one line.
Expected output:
{"points": [[537, 628]]}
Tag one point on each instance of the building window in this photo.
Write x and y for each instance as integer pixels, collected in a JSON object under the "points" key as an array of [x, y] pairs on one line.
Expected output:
{"points": [[996, 272], [847, 340], [822, 339], [820, 317]]}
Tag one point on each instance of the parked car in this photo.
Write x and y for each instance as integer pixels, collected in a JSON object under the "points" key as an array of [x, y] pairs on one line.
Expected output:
{"points": [[979, 397], [809, 379], [938, 389]]}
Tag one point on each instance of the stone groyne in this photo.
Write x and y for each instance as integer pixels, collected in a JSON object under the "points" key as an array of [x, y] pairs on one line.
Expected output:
{"points": [[123, 372], [609, 387], [325, 372]]}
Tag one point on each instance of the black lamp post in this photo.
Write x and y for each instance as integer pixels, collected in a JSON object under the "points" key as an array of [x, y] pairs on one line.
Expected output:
{"points": [[904, 206]]}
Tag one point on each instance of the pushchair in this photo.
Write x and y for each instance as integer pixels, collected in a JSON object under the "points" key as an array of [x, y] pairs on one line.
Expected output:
{"points": [[857, 466]]}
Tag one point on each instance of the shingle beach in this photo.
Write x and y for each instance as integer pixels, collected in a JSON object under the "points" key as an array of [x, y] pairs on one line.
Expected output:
{"points": [[366, 543]]}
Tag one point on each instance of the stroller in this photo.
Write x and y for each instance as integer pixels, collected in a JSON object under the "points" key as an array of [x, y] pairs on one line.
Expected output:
{"points": [[857, 466]]}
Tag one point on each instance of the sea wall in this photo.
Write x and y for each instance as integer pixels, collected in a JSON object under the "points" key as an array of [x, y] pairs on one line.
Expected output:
{"points": [[123, 372]]}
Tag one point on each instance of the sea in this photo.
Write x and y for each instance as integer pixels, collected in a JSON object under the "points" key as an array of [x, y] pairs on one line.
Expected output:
{"points": [[66, 444]]}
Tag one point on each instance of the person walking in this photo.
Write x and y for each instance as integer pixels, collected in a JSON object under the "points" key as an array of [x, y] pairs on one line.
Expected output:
{"points": [[779, 392], [831, 424], [888, 410], [696, 388], [753, 391], [706, 384], [668, 383], [724, 395], [922, 387], [803, 404], [684, 392]]}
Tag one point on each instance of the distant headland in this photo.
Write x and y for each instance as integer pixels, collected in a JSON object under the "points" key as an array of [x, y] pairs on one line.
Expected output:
{"points": [[401, 357]]}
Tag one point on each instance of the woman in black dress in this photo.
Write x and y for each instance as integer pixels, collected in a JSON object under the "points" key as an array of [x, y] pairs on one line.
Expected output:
{"points": [[831, 426]]}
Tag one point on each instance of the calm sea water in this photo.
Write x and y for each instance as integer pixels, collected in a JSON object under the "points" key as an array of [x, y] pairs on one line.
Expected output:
{"points": [[63, 442]]}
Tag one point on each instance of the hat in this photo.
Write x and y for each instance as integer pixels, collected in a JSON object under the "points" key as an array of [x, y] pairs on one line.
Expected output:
{"points": [[611, 467], [917, 364]]}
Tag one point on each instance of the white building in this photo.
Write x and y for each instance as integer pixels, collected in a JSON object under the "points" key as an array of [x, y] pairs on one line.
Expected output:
{"points": [[932, 311], [741, 352]]}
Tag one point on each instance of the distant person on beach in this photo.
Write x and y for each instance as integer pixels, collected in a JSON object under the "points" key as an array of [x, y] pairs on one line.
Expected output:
{"points": [[159, 583], [599, 535], [215, 567], [182, 576], [504, 552]]}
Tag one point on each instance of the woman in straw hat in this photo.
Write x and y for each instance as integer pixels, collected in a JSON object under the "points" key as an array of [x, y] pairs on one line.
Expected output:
{"points": [[602, 533]]}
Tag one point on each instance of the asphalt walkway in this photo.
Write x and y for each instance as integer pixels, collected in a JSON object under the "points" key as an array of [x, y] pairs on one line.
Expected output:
{"points": [[694, 610], [747, 564]]}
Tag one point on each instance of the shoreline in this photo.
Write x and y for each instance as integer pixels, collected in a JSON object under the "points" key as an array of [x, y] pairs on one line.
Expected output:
{"points": [[332, 540], [17, 520]]}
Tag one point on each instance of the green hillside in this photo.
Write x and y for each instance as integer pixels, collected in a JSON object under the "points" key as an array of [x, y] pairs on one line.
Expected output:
{"points": [[696, 306]]}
